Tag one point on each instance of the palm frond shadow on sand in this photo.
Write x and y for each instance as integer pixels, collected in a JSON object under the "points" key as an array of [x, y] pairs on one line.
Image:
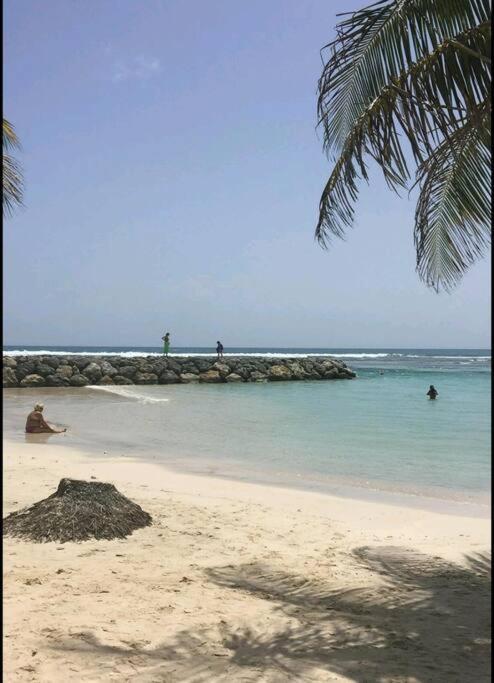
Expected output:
{"points": [[428, 622]]}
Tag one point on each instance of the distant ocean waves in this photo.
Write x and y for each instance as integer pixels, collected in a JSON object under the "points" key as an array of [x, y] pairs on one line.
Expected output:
{"points": [[479, 356], [136, 354]]}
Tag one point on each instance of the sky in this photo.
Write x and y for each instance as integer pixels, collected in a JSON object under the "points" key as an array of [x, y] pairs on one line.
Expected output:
{"points": [[173, 173]]}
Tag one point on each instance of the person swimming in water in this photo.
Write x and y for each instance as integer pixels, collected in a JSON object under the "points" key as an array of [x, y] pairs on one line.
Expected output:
{"points": [[35, 423], [432, 393], [166, 343]]}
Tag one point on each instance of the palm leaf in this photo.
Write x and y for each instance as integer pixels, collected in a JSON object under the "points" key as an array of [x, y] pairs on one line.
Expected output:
{"points": [[452, 220], [409, 76], [12, 181], [9, 136], [378, 131], [378, 42]]}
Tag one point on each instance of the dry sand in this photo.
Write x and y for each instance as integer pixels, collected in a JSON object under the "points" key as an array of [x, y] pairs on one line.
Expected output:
{"points": [[242, 582]]}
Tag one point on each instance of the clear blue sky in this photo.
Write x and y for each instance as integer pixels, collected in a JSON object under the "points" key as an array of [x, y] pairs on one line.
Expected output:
{"points": [[173, 175]]}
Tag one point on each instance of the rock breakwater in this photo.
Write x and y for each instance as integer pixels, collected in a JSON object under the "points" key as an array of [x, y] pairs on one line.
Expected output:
{"points": [[80, 371]]}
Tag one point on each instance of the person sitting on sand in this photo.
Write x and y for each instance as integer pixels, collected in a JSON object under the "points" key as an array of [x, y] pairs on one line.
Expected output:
{"points": [[219, 349], [35, 423], [432, 393]]}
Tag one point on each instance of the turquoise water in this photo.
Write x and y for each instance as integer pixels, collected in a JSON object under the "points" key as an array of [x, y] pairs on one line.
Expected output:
{"points": [[377, 431]]}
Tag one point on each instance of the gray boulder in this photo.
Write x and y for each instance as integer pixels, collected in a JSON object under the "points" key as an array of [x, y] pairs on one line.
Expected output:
{"points": [[108, 369], [244, 372], [187, 377], [64, 371], [169, 377], [33, 381], [9, 377], [53, 361], [9, 362], [81, 362], [144, 367], [297, 371], [222, 368], [78, 380], [93, 372], [25, 367], [210, 376], [279, 373], [106, 379], [257, 376], [128, 371], [174, 366], [44, 370], [56, 381], [190, 368], [331, 374], [202, 364], [120, 379], [233, 377], [146, 378], [158, 367]]}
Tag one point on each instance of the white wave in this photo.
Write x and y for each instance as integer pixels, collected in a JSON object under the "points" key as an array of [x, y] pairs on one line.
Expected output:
{"points": [[266, 354], [141, 354], [128, 392], [482, 359], [359, 355], [122, 354]]}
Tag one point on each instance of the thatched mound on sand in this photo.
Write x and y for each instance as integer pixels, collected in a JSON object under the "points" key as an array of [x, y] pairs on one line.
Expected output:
{"points": [[77, 511]]}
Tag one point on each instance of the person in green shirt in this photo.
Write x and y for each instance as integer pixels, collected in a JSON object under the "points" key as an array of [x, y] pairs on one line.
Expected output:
{"points": [[166, 343]]}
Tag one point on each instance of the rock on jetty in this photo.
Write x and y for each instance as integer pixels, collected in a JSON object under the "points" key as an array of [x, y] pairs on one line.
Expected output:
{"points": [[80, 371]]}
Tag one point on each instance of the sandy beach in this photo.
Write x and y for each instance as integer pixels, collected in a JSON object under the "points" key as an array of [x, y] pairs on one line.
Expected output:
{"points": [[242, 582]]}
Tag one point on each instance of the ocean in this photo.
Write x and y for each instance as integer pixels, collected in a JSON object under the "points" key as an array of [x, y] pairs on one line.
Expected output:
{"points": [[377, 434]]}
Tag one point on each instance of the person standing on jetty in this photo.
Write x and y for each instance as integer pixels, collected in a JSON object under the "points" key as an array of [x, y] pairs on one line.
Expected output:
{"points": [[432, 393], [35, 423], [219, 349], [166, 343]]}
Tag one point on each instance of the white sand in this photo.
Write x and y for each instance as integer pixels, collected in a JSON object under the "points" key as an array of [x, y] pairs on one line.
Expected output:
{"points": [[242, 582]]}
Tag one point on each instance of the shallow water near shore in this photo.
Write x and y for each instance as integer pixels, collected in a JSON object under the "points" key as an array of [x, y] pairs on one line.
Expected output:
{"points": [[377, 433]]}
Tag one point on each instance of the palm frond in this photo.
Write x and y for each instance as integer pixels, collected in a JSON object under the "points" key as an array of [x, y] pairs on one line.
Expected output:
{"points": [[420, 105], [410, 76], [452, 219], [12, 180], [375, 44], [9, 137]]}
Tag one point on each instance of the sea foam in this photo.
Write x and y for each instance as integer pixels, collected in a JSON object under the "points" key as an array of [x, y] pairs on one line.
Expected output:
{"points": [[127, 392]]}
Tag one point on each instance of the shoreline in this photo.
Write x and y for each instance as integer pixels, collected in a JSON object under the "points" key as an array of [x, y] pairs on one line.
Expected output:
{"points": [[240, 581], [211, 484], [476, 504]]}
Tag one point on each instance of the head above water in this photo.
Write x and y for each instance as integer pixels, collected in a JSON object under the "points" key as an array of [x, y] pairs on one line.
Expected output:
{"points": [[39, 407], [431, 386]]}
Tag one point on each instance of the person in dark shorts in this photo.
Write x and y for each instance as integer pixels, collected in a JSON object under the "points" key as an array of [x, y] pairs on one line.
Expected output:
{"points": [[219, 349], [432, 393], [35, 423]]}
